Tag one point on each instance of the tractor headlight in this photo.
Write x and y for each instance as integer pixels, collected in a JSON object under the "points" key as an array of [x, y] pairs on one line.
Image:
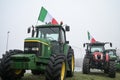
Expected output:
{"points": [[35, 49], [26, 49], [31, 49]]}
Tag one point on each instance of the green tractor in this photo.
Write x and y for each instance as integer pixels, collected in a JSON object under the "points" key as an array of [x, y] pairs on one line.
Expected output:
{"points": [[97, 57], [112, 52], [46, 52]]}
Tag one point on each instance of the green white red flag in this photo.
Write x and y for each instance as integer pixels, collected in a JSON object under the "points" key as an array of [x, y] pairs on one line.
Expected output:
{"points": [[44, 16], [90, 38]]}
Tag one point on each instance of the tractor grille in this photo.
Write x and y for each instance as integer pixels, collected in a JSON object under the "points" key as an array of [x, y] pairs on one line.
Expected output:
{"points": [[29, 46], [98, 56], [23, 59]]}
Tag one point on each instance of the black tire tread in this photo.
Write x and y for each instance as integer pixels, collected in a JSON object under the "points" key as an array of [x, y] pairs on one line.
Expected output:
{"points": [[86, 67], [53, 69], [112, 69]]}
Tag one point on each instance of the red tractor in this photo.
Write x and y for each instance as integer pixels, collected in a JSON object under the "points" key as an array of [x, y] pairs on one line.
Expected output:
{"points": [[96, 57]]}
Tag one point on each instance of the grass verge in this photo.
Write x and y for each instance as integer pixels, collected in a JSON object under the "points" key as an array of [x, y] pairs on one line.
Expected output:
{"points": [[77, 76]]}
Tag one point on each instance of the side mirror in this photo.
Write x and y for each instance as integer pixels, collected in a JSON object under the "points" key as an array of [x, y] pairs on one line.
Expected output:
{"points": [[33, 31], [84, 45], [110, 44], [67, 28], [67, 42], [29, 30]]}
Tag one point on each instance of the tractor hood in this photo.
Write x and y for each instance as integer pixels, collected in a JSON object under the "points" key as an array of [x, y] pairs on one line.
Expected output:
{"points": [[43, 41], [98, 56]]}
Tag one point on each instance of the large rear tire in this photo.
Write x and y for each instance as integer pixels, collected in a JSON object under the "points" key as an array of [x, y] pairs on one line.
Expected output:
{"points": [[86, 66], [112, 69], [56, 69], [5, 70], [71, 63]]}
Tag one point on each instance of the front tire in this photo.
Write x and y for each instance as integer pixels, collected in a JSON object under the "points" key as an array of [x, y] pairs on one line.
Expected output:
{"points": [[112, 69], [6, 71], [56, 69], [106, 71], [86, 66]]}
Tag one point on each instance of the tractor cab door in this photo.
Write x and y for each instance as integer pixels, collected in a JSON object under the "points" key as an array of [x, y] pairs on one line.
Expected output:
{"points": [[58, 46], [62, 40]]}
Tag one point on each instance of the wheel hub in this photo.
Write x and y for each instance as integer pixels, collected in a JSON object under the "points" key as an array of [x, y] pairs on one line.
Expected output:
{"points": [[63, 71], [18, 72]]}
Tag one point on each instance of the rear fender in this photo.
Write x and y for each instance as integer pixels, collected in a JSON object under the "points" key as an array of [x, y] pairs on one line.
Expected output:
{"points": [[66, 49]]}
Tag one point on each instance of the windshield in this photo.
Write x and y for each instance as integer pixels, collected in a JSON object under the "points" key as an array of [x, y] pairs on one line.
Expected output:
{"points": [[111, 53], [48, 33], [97, 49]]}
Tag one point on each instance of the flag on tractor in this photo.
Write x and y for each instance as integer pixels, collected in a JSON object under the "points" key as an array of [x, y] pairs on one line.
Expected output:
{"points": [[90, 38], [44, 16]]}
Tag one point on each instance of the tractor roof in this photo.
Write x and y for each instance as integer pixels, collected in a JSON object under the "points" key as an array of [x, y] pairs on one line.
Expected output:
{"points": [[97, 43], [111, 50], [48, 25]]}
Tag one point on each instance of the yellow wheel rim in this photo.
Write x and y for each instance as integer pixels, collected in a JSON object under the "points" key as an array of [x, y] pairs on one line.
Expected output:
{"points": [[72, 63], [63, 71], [18, 72]]}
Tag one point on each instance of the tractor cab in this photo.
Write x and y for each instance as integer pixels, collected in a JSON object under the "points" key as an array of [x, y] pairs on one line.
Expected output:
{"points": [[95, 47], [51, 36], [95, 51]]}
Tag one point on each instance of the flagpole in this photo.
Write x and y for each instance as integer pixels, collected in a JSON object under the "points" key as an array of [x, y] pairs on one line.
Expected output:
{"points": [[7, 40], [87, 36]]}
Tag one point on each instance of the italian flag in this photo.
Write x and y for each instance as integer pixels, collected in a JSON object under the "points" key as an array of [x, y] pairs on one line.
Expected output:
{"points": [[46, 17], [91, 39]]}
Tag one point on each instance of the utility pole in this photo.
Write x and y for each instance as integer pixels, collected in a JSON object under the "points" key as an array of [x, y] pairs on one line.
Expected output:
{"points": [[7, 40]]}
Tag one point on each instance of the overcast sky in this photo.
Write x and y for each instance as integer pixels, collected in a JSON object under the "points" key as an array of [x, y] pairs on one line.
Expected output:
{"points": [[100, 17]]}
